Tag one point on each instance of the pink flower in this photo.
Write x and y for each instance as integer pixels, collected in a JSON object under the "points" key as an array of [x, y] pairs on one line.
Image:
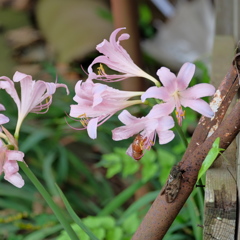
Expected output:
{"points": [[97, 102], [33, 93], [117, 58], [3, 118], [9, 165], [176, 93], [156, 122]]}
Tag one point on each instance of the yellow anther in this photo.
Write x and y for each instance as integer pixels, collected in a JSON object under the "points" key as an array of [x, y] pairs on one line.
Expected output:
{"points": [[83, 119], [101, 70]]}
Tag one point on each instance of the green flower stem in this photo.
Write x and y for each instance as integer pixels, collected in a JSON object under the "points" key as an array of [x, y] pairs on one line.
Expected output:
{"points": [[180, 131], [154, 80], [49, 200]]}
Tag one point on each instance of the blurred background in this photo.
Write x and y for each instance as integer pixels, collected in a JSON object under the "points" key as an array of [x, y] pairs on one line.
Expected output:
{"points": [[106, 188]]}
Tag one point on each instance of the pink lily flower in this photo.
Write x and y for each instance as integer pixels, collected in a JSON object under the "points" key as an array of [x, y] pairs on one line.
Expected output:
{"points": [[97, 102], [117, 58], [9, 165], [157, 122], [176, 93], [3, 118], [33, 93]]}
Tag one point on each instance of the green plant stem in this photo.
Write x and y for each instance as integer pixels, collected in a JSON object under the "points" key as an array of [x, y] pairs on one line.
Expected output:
{"points": [[49, 200], [180, 131]]}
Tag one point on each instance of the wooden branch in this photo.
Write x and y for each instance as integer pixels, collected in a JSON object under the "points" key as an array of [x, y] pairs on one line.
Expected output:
{"points": [[161, 214]]}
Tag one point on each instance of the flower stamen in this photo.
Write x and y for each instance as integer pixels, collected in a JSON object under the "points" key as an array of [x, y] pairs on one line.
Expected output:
{"points": [[101, 70], [84, 119], [180, 114]]}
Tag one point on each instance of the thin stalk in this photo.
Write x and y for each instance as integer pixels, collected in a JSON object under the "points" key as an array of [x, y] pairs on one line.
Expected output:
{"points": [[49, 201], [180, 132]]}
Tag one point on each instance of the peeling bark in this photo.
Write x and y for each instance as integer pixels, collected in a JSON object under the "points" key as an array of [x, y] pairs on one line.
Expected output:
{"points": [[161, 214]]}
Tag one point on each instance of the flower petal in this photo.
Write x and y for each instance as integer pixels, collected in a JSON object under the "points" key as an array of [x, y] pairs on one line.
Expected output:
{"points": [[128, 131], [10, 167], [165, 123], [15, 179], [2, 108], [160, 110], [165, 136], [126, 118], [92, 128], [156, 92], [3, 119], [8, 85], [18, 76], [198, 105], [97, 91], [185, 75], [15, 155], [166, 77], [198, 91]]}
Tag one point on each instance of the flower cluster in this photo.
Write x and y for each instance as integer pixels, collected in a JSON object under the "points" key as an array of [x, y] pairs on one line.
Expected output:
{"points": [[36, 97], [97, 102]]}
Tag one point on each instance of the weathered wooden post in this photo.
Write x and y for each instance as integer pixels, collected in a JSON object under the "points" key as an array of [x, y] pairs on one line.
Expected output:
{"points": [[220, 217]]}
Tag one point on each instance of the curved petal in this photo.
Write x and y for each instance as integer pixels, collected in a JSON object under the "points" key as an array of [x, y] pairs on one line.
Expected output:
{"points": [[113, 35], [198, 91], [15, 155], [58, 85], [156, 92], [8, 85], [15, 179], [10, 167], [3, 119], [165, 136], [162, 109], [166, 76], [129, 151], [165, 123], [18, 76], [78, 86], [126, 118], [2, 108], [124, 36], [125, 132], [92, 128], [97, 91], [198, 105], [185, 75]]}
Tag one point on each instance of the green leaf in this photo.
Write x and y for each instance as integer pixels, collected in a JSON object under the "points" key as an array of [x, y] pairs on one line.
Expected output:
{"points": [[75, 217], [212, 154], [131, 224], [195, 218], [106, 222], [115, 234], [43, 233], [120, 199], [119, 162], [34, 139], [149, 171], [166, 161]]}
